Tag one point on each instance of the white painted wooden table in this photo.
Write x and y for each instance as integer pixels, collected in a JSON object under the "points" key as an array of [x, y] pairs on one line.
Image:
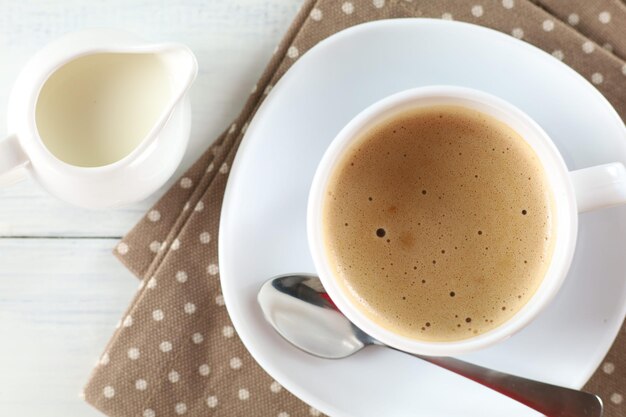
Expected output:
{"points": [[61, 290]]}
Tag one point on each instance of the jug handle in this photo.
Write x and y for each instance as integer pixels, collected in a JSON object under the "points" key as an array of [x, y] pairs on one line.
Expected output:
{"points": [[12, 161]]}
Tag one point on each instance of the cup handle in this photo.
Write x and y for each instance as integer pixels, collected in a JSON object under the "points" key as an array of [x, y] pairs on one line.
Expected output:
{"points": [[12, 161], [600, 186]]}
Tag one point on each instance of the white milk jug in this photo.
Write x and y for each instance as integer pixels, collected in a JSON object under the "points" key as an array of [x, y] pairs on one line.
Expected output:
{"points": [[100, 118]]}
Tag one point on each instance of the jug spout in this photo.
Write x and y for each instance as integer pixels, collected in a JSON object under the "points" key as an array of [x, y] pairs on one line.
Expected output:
{"points": [[182, 66]]}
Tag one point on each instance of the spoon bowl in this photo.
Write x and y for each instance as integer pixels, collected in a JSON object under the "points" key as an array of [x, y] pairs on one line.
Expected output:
{"points": [[309, 321], [300, 310]]}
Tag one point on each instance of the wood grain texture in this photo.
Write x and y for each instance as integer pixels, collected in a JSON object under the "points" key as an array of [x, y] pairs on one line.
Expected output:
{"points": [[59, 302], [61, 295]]}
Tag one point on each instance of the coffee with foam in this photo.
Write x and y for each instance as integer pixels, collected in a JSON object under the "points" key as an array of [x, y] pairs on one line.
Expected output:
{"points": [[438, 223]]}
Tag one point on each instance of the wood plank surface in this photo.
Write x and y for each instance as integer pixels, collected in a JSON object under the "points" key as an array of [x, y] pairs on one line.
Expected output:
{"points": [[61, 290], [59, 302]]}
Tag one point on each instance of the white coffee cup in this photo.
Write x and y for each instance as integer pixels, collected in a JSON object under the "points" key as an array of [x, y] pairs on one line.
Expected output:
{"points": [[574, 191]]}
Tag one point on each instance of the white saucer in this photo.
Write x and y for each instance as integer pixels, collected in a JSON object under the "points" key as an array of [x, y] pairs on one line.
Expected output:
{"points": [[262, 231]]}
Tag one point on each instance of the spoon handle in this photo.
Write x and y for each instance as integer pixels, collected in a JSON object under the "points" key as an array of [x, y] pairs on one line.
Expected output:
{"points": [[551, 400]]}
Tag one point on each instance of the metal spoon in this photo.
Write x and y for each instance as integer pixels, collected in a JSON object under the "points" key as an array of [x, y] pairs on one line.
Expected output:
{"points": [[300, 311]]}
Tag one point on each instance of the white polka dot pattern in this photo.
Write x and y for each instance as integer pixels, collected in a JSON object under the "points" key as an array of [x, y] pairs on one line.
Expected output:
{"points": [[588, 47], [108, 392], [219, 300], [477, 11], [173, 377], [275, 387], [205, 237], [141, 384], [189, 334], [190, 308], [228, 331], [154, 215], [573, 19], [597, 78], [158, 315], [293, 52], [122, 248], [558, 54], [316, 14], [204, 369], [243, 394], [604, 17], [128, 321], [180, 408], [133, 353], [181, 276], [104, 359], [186, 182], [548, 25], [608, 368], [235, 363], [197, 338], [211, 401], [155, 246]]}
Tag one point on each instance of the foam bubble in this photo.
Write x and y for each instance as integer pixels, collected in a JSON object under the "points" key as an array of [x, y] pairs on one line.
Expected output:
{"points": [[476, 244]]}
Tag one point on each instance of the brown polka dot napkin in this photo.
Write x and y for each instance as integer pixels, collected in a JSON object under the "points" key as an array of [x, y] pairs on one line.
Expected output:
{"points": [[175, 351]]}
